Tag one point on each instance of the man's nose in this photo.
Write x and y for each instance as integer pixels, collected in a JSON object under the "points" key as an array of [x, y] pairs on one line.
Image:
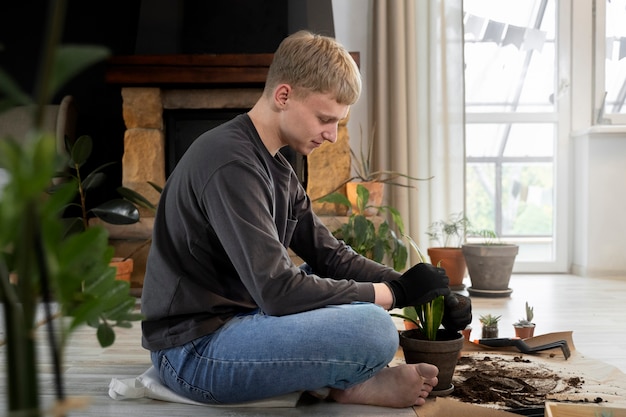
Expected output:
{"points": [[330, 135]]}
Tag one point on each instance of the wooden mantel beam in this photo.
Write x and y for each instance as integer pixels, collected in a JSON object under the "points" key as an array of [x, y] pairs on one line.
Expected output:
{"points": [[198, 69]]}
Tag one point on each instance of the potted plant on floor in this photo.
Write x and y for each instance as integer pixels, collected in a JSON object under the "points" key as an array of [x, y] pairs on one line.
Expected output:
{"points": [[525, 328], [449, 235], [376, 242], [489, 325], [373, 180], [430, 343], [117, 211], [489, 265]]}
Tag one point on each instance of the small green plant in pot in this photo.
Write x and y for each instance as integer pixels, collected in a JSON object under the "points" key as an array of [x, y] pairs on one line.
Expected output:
{"points": [[117, 211], [489, 325], [525, 327], [431, 343], [374, 180], [448, 235]]}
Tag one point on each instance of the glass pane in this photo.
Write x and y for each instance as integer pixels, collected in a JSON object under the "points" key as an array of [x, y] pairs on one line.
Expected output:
{"points": [[523, 191], [480, 188], [527, 199], [509, 139], [615, 65], [509, 55], [530, 139], [483, 140]]}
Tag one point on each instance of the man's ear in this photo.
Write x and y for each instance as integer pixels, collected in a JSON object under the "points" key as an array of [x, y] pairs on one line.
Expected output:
{"points": [[281, 94]]}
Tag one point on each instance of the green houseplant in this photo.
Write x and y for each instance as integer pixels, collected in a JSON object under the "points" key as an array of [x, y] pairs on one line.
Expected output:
{"points": [[448, 235], [370, 240], [490, 325], [366, 176], [118, 211], [525, 327], [39, 263], [429, 342], [489, 265]]}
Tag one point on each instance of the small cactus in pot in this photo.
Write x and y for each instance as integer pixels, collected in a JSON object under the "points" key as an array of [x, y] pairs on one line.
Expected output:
{"points": [[525, 328]]}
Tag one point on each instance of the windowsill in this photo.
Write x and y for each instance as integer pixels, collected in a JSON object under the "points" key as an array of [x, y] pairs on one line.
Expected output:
{"points": [[596, 130]]}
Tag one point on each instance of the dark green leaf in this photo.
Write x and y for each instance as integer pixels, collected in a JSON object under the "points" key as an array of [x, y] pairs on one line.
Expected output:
{"points": [[81, 150], [117, 211], [135, 198], [336, 198], [106, 335]]}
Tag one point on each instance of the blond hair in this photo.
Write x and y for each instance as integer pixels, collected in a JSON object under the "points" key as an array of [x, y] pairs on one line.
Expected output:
{"points": [[315, 63]]}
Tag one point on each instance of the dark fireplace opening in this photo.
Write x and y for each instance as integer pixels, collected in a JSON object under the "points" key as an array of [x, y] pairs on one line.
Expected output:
{"points": [[183, 126]]}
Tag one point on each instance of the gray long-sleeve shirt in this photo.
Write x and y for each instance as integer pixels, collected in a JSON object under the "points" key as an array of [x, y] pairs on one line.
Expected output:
{"points": [[226, 217]]}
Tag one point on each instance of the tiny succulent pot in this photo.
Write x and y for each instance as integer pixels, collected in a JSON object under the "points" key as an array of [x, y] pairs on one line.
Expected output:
{"points": [[524, 331], [490, 332]]}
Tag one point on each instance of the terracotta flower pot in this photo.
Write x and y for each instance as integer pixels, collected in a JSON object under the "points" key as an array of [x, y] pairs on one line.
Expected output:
{"points": [[467, 332], [409, 325], [124, 268], [524, 332], [443, 353], [453, 261], [376, 190]]}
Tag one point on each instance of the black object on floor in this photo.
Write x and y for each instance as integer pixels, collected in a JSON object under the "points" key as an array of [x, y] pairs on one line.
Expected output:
{"points": [[524, 347]]}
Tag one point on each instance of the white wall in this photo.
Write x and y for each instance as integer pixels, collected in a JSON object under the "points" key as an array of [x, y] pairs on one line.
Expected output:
{"points": [[352, 27]]}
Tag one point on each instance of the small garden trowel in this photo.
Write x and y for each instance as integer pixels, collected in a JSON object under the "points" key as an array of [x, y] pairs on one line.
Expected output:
{"points": [[524, 347]]}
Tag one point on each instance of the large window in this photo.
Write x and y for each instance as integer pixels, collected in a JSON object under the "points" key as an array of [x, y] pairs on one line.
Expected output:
{"points": [[514, 118], [611, 61]]}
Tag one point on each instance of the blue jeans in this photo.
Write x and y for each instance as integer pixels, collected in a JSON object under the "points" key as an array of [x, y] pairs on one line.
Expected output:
{"points": [[256, 356]]}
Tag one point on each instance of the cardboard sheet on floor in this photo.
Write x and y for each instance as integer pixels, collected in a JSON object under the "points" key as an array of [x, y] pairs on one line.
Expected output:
{"points": [[599, 380], [148, 385]]}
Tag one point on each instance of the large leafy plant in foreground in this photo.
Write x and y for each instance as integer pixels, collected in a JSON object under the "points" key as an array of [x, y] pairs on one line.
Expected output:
{"points": [[39, 264]]}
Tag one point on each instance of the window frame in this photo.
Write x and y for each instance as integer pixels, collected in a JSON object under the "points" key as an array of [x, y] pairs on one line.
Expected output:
{"points": [[600, 117], [561, 117]]}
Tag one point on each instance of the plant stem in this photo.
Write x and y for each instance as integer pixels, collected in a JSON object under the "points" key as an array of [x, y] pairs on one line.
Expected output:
{"points": [[45, 291]]}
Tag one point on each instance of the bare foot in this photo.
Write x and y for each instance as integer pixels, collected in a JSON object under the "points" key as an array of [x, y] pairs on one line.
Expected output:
{"points": [[398, 386]]}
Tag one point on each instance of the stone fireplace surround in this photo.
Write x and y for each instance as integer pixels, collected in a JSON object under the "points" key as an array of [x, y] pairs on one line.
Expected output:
{"points": [[152, 84]]}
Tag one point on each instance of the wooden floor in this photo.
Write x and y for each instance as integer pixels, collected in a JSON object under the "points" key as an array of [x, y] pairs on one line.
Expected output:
{"points": [[594, 309]]}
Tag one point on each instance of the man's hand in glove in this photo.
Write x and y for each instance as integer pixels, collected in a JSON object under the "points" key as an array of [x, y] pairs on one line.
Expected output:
{"points": [[457, 313], [419, 285]]}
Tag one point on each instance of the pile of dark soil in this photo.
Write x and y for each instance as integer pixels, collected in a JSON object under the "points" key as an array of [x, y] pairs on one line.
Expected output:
{"points": [[509, 383]]}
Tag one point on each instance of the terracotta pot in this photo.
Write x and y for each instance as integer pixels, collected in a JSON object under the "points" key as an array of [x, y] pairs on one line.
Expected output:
{"points": [[443, 353], [490, 332], [453, 261], [467, 332], [376, 190], [409, 325], [124, 268], [524, 332]]}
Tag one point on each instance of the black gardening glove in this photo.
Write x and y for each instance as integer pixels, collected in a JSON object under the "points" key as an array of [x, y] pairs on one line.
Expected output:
{"points": [[419, 285], [457, 313]]}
